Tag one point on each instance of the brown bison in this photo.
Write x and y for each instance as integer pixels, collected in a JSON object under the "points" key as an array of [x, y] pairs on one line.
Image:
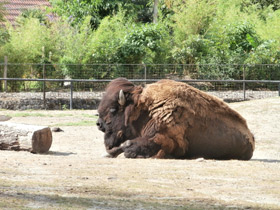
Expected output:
{"points": [[170, 119]]}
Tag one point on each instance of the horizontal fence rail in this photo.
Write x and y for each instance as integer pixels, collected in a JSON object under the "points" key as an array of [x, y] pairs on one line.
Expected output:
{"points": [[139, 80], [75, 81]]}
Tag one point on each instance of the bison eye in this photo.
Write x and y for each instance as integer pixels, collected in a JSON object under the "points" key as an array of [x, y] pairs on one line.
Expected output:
{"points": [[113, 110]]}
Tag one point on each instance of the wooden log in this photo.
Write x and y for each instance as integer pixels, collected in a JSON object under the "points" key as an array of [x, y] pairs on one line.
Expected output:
{"points": [[14, 136]]}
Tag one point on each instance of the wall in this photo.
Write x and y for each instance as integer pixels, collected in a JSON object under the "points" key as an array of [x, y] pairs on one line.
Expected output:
{"points": [[54, 100]]}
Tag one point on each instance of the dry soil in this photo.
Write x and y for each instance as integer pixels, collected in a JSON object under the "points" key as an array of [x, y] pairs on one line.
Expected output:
{"points": [[75, 175]]}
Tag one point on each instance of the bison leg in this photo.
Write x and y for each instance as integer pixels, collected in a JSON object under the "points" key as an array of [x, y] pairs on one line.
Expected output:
{"points": [[140, 147], [161, 154], [137, 148], [114, 152]]}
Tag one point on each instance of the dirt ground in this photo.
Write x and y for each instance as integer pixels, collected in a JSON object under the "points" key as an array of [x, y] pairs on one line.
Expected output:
{"points": [[75, 175]]}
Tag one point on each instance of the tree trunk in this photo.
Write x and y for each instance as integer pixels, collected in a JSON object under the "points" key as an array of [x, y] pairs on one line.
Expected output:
{"points": [[36, 139], [155, 12]]}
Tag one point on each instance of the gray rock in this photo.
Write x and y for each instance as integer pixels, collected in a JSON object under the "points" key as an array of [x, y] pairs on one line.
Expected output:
{"points": [[57, 129], [4, 118]]}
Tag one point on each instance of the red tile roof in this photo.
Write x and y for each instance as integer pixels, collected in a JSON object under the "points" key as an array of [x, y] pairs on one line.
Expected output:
{"points": [[15, 7]]}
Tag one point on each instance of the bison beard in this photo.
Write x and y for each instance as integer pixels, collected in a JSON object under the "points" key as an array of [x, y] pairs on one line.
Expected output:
{"points": [[169, 119]]}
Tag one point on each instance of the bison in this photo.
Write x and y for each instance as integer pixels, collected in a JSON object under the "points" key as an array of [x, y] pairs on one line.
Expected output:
{"points": [[170, 119]]}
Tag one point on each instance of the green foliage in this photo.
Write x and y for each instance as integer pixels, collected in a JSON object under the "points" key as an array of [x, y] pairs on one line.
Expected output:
{"points": [[192, 18], [262, 4], [242, 37], [228, 36], [2, 12], [270, 28], [26, 42], [113, 31], [191, 50], [106, 40], [265, 53], [33, 13], [73, 44], [4, 36], [75, 11], [25, 45], [104, 44], [143, 43]]}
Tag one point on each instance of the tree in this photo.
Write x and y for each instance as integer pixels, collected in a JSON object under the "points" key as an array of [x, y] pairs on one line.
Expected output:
{"points": [[145, 43], [155, 12], [4, 35], [76, 11], [274, 4], [33, 13], [2, 12]]}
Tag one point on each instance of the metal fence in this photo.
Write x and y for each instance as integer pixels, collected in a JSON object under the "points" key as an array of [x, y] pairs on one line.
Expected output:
{"points": [[230, 82], [141, 71]]}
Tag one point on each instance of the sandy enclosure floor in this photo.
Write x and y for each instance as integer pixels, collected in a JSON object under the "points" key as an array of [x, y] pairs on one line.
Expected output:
{"points": [[74, 175]]}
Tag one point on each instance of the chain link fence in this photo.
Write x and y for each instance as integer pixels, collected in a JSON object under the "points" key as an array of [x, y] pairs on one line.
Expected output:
{"points": [[88, 81]]}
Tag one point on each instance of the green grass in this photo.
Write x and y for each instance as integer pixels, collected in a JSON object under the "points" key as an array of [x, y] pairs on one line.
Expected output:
{"points": [[89, 116], [37, 114], [26, 114], [90, 121], [80, 123]]}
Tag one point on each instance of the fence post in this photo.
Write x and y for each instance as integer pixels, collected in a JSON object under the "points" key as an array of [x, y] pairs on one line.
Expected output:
{"points": [[244, 86], [279, 90], [71, 95], [145, 72], [44, 82], [5, 72]]}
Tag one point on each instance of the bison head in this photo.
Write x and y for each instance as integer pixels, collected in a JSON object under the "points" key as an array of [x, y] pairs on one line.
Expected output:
{"points": [[114, 110]]}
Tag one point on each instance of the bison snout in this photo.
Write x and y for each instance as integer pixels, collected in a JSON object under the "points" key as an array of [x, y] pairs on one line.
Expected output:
{"points": [[100, 125]]}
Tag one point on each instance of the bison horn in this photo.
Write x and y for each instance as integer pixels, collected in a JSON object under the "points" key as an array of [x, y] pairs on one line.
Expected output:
{"points": [[121, 98]]}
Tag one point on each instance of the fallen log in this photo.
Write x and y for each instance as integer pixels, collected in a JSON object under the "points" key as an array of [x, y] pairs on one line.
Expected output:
{"points": [[14, 136]]}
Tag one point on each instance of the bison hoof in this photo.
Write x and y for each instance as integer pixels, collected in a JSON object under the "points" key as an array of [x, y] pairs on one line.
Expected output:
{"points": [[107, 156], [126, 143], [130, 154]]}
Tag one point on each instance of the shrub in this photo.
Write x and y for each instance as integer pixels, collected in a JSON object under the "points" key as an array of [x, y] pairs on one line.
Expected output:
{"points": [[144, 44]]}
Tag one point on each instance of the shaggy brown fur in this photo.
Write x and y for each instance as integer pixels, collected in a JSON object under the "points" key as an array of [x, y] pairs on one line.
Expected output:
{"points": [[183, 121], [191, 122]]}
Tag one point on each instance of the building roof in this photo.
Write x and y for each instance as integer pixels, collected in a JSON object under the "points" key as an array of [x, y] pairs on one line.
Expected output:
{"points": [[13, 8]]}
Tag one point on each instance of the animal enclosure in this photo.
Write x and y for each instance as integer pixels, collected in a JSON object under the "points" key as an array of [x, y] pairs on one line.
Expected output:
{"points": [[45, 82], [75, 175]]}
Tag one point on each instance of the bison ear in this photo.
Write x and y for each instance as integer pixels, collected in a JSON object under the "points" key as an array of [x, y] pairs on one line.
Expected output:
{"points": [[121, 98]]}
